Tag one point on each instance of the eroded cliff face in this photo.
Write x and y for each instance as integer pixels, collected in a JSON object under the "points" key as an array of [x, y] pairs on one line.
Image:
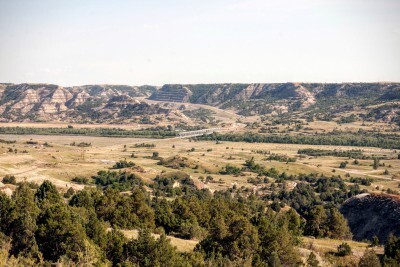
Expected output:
{"points": [[373, 214], [259, 98], [46, 102], [172, 93]]}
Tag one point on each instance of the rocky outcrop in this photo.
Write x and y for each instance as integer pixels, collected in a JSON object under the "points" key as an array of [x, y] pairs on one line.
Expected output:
{"points": [[249, 99], [56, 101], [371, 215], [172, 93], [47, 102], [386, 113]]}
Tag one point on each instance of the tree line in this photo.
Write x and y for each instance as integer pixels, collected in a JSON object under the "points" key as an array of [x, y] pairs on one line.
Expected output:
{"points": [[156, 132], [389, 141]]}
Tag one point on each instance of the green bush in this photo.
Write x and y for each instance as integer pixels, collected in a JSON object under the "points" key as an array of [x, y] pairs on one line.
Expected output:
{"points": [[9, 179], [344, 249], [123, 164]]}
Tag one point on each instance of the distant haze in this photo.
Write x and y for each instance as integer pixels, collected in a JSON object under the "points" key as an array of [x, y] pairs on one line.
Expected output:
{"points": [[72, 42]]}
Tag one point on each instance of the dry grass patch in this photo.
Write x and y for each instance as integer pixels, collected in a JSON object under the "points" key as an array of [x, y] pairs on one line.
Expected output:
{"points": [[182, 245], [324, 245]]}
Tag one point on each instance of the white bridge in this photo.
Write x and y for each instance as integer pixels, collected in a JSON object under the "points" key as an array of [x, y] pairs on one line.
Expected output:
{"points": [[199, 132]]}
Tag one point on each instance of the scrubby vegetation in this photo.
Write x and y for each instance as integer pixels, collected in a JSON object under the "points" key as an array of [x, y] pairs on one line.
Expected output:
{"points": [[9, 179], [362, 181], [2, 141], [144, 145], [80, 180], [121, 181], [81, 144], [122, 164], [281, 158]]}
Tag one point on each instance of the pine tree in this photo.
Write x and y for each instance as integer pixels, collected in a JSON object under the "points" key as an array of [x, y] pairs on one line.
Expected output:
{"points": [[6, 206], [338, 227], [312, 260], [375, 241], [274, 260], [47, 192], [23, 225], [376, 163], [316, 222], [115, 246], [148, 252], [60, 233], [275, 237], [392, 248], [369, 259]]}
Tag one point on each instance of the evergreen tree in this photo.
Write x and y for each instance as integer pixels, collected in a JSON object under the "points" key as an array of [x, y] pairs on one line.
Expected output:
{"points": [[312, 260], [115, 245], [295, 225], [148, 252], [274, 260], [23, 224], [164, 215], [276, 238], [6, 207], [60, 233], [140, 207], [47, 192], [344, 249], [86, 198], [338, 227], [316, 222], [369, 259], [235, 239], [376, 164], [375, 241], [95, 229], [70, 192], [392, 248]]}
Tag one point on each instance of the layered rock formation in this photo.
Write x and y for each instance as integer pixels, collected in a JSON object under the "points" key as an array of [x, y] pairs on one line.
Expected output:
{"points": [[169, 93], [251, 99], [46, 102]]}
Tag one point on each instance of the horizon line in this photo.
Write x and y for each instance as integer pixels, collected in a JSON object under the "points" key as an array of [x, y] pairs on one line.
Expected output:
{"points": [[206, 83]]}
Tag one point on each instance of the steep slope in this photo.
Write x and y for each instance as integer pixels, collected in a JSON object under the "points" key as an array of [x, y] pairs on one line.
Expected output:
{"points": [[45, 102], [118, 103], [172, 93], [372, 214], [250, 99]]}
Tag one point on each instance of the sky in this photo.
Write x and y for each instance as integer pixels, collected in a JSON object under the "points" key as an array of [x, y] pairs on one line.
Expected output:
{"points": [[77, 42]]}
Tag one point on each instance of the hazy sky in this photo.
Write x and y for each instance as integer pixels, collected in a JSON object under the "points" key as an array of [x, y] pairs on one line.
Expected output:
{"points": [[75, 42]]}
